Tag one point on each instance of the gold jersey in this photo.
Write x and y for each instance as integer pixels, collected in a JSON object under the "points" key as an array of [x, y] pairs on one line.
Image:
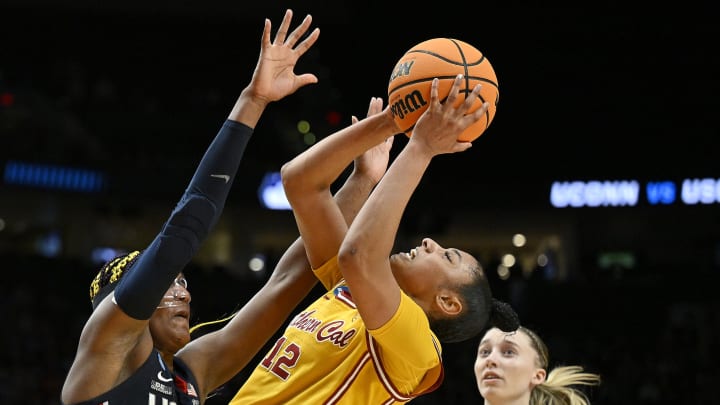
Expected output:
{"points": [[327, 356]]}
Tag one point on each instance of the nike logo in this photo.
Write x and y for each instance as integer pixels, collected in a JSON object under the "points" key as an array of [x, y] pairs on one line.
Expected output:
{"points": [[221, 176], [163, 379]]}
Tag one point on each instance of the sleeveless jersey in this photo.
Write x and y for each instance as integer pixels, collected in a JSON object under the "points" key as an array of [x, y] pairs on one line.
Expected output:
{"points": [[327, 356], [153, 384]]}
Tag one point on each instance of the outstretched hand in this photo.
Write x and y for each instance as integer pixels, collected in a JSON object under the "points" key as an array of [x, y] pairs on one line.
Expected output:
{"points": [[375, 160], [274, 76], [441, 124]]}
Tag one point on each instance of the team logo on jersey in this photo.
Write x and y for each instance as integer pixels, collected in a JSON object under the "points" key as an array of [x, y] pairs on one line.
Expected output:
{"points": [[342, 293], [162, 378], [342, 290]]}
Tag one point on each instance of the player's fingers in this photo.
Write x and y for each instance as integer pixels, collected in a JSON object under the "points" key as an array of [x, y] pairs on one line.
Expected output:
{"points": [[480, 112], [375, 106], [370, 106], [299, 31], [305, 79], [265, 42], [307, 42], [461, 146], [454, 90], [470, 99], [283, 30], [434, 92]]}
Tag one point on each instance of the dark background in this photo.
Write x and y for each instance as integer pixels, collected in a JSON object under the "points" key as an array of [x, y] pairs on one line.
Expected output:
{"points": [[599, 91]]}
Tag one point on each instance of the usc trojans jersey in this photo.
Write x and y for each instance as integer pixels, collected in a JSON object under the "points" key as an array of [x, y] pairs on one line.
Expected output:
{"points": [[327, 356]]}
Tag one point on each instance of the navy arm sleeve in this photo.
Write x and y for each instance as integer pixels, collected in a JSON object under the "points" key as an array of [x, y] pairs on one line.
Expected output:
{"points": [[141, 289]]}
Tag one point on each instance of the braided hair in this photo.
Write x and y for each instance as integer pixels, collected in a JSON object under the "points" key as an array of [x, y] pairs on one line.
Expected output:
{"points": [[111, 272]]}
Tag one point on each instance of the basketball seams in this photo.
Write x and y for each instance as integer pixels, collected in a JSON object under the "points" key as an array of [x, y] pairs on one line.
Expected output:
{"points": [[423, 80], [484, 80], [465, 66], [478, 62], [444, 59], [447, 60], [441, 78]]}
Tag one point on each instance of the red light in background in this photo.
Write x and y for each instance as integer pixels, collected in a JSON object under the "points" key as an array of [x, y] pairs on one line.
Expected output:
{"points": [[333, 117], [7, 99]]}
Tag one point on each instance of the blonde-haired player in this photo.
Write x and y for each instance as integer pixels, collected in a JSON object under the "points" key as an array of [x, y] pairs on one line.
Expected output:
{"points": [[514, 368]]}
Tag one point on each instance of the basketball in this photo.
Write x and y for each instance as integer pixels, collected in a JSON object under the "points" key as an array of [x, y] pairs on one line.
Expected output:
{"points": [[442, 58]]}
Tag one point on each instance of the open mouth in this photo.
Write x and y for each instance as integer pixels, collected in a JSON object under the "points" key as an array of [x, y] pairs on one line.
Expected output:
{"points": [[411, 254], [490, 376]]}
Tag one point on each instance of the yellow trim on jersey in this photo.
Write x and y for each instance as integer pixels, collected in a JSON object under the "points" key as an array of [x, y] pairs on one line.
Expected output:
{"points": [[327, 356], [329, 274]]}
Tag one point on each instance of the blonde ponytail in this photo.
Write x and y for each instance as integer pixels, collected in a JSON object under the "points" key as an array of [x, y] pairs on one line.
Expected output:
{"points": [[560, 387]]}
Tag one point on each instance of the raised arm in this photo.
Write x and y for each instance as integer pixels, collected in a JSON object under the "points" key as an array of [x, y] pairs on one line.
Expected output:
{"points": [[115, 339], [274, 77], [364, 254], [222, 354], [308, 178]]}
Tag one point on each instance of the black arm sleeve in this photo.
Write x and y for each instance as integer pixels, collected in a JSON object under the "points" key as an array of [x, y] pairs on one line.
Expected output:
{"points": [[139, 292]]}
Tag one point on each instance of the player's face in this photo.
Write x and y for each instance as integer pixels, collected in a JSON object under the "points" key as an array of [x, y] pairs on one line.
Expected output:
{"points": [[169, 324], [507, 367], [429, 267]]}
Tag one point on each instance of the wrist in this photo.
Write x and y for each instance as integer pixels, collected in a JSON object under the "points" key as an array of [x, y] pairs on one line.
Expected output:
{"points": [[248, 108], [418, 150], [389, 122], [249, 95], [361, 183], [383, 124], [363, 178]]}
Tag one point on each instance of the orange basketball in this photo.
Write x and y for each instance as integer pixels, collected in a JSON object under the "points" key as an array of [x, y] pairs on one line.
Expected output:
{"points": [[444, 58]]}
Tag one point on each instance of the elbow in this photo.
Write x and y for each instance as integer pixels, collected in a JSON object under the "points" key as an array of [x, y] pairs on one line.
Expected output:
{"points": [[290, 178], [349, 258], [299, 180]]}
